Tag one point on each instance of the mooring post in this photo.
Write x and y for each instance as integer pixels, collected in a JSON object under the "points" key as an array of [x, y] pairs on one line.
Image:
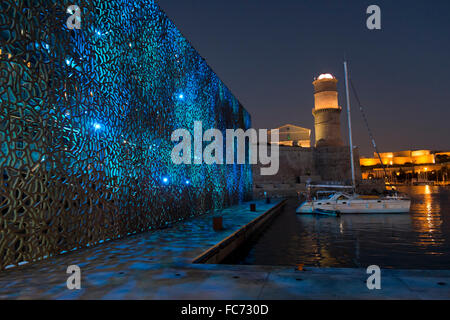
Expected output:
{"points": [[217, 223]]}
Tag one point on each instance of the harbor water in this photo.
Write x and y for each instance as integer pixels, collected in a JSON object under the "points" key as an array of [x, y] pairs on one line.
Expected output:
{"points": [[419, 239]]}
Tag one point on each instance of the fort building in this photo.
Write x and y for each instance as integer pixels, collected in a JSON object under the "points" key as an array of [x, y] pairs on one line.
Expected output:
{"points": [[294, 136], [408, 166], [327, 161]]}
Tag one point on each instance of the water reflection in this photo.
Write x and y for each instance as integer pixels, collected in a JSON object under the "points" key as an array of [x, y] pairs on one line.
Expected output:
{"points": [[426, 217], [420, 239]]}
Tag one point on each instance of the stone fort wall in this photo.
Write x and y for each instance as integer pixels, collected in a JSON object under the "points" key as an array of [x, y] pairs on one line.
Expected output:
{"points": [[300, 165]]}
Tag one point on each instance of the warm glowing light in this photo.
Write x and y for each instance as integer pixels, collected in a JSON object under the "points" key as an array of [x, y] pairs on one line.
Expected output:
{"points": [[369, 161], [426, 169], [401, 158], [418, 153], [325, 76]]}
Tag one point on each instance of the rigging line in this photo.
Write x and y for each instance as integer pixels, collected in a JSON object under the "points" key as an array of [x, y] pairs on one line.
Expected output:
{"points": [[368, 128]]}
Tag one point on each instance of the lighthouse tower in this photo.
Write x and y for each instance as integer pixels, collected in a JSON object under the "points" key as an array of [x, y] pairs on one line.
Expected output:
{"points": [[326, 112]]}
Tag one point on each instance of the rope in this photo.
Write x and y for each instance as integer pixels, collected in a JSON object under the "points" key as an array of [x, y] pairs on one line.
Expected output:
{"points": [[368, 128]]}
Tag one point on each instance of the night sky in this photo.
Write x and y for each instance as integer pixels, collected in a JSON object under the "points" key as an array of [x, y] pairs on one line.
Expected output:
{"points": [[268, 52]]}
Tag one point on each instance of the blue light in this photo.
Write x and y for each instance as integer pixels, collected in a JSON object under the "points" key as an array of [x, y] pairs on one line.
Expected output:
{"points": [[119, 107]]}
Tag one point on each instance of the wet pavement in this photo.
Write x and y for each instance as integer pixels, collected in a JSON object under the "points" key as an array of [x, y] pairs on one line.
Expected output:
{"points": [[116, 265]]}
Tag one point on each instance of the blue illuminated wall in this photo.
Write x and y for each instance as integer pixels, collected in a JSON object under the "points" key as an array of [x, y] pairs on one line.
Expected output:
{"points": [[85, 125]]}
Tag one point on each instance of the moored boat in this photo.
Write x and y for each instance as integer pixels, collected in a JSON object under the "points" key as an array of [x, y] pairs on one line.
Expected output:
{"points": [[353, 203], [333, 213]]}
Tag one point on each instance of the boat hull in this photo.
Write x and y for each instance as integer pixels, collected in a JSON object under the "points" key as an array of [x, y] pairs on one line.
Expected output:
{"points": [[331, 213], [357, 206]]}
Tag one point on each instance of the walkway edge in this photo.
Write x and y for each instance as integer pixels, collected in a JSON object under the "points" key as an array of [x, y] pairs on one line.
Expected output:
{"points": [[217, 253]]}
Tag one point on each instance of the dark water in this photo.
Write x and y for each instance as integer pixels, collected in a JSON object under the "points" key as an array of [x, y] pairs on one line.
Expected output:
{"points": [[416, 240]]}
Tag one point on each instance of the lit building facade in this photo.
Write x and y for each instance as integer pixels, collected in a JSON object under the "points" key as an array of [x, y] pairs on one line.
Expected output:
{"points": [[408, 165], [86, 121], [294, 136], [401, 158]]}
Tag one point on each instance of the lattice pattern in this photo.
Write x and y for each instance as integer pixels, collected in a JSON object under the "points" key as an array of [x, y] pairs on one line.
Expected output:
{"points": [[85, 124]]}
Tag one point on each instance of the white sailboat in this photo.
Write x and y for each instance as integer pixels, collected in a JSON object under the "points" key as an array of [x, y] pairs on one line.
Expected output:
{"points": [[337, 202]]}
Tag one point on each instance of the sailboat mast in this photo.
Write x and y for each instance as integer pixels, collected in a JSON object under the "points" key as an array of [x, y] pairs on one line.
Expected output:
{"points": [[347, 96]]}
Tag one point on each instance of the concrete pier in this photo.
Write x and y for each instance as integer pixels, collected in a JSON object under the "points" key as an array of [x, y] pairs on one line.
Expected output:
{"points": [[104, 266], [146, 280], [158, 265]]}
